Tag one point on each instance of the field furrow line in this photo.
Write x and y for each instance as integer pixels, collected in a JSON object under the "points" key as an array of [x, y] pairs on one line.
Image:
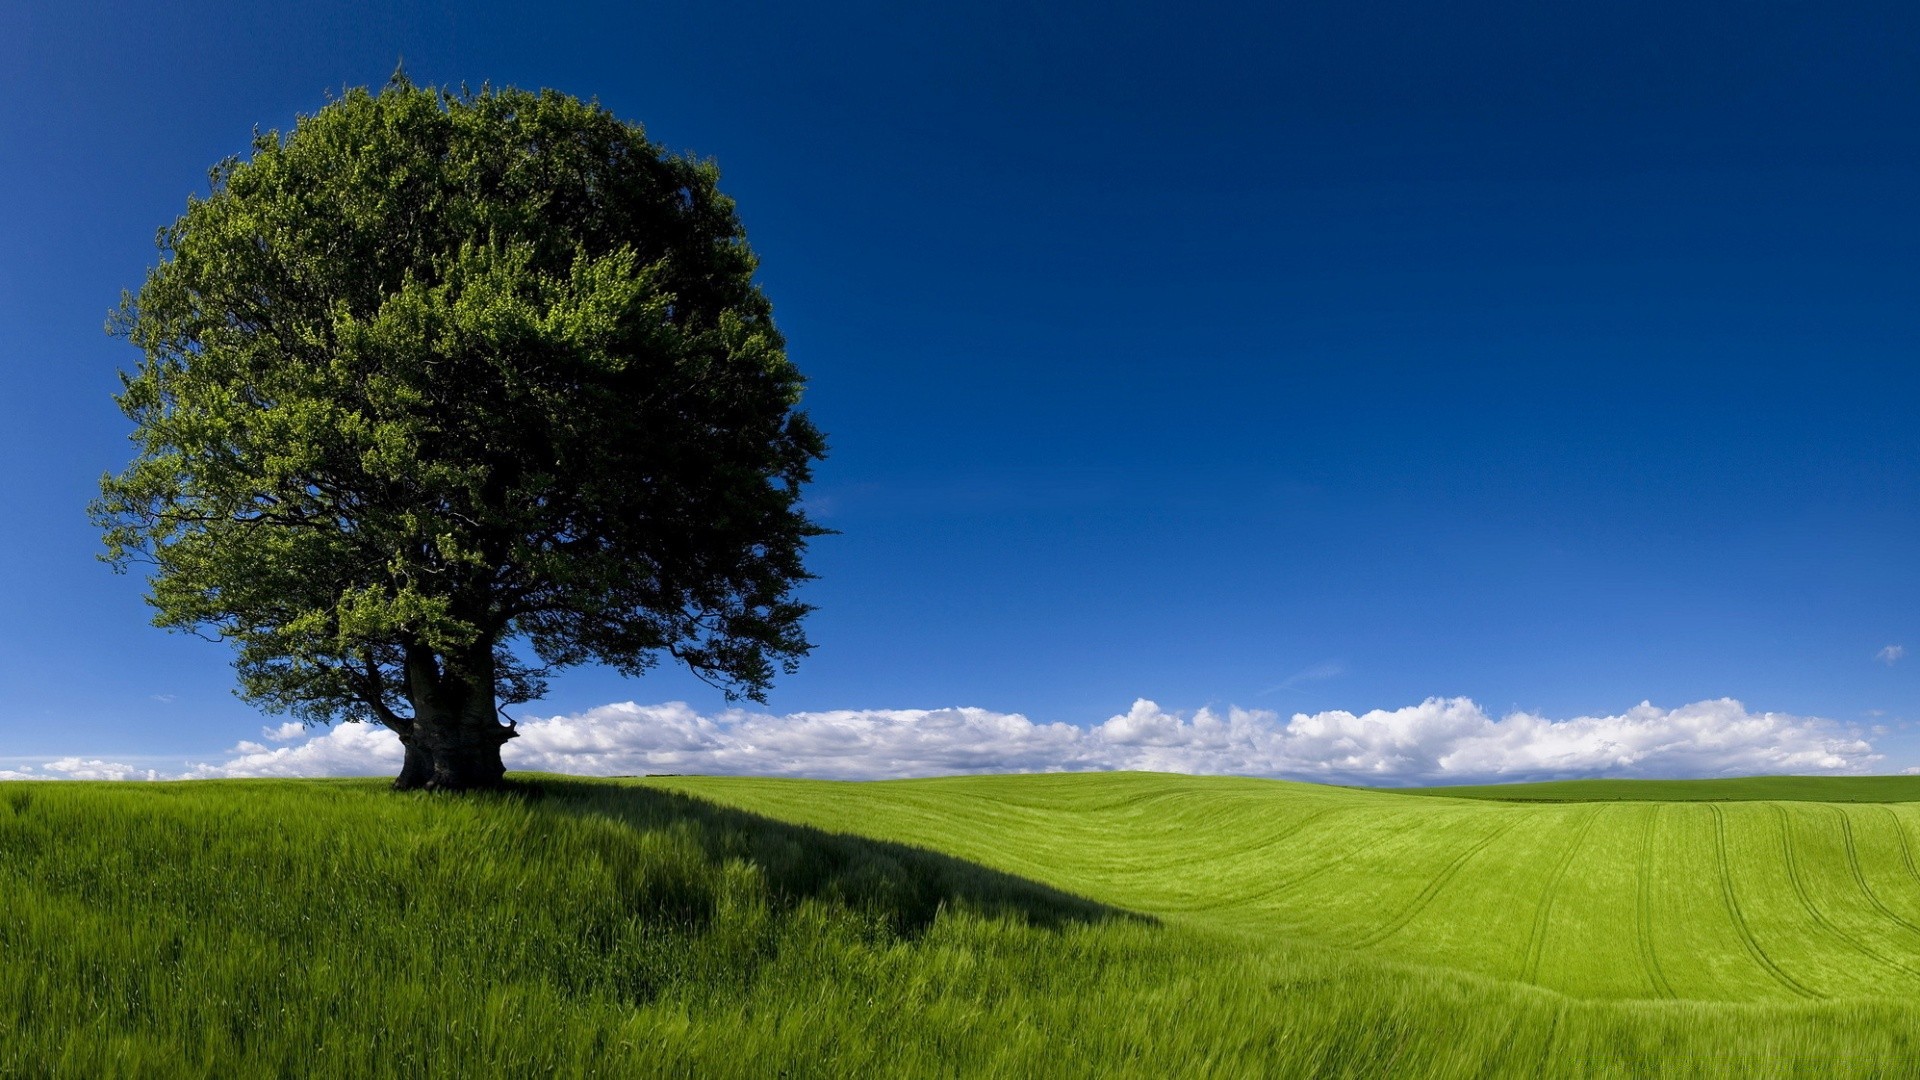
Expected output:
{"points": [[1220, 900], [1543, 912], [1813, 912], [1739, 919], [1433, 888], [1860, 877], [1906, 848], [1247, 843], [1374, 840], [1643, 909], [1264, 842]]}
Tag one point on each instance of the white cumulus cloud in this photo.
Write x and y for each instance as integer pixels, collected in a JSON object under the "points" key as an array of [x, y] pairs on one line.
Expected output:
{"points": [[343, 750], [1891, 654], [76, 768], [1440, 740]]}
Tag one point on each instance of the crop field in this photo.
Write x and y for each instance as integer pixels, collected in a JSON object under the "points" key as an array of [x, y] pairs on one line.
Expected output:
{"points": [[1629, 898], [1076, 925], [1841, 789]]}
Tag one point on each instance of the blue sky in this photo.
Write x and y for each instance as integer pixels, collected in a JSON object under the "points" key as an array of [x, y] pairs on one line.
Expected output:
{"points": [[1330, 358]]}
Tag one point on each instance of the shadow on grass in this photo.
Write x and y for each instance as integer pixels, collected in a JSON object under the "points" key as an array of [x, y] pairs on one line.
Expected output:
{"points": [[906, 887]]}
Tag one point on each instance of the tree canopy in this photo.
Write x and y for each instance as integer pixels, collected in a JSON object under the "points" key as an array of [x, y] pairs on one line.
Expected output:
{"points": [[442, 392]]}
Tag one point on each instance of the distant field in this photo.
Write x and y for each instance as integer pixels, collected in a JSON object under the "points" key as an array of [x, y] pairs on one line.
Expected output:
{"points": [[1847, 789], [1733, 901], [1084, 925]]}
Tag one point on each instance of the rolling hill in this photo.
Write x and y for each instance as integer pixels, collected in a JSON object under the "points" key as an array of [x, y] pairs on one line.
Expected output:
{"points": [[1664, 890], [1076, 925]]}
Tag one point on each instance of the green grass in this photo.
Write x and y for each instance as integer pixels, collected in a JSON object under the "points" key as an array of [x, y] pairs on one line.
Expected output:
{"points": [[1086, 925], [1710, 901], [1846, 789]]}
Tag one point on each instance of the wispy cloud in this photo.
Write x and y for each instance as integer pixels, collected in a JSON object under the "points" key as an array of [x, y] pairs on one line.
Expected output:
{"points": [[1325, 669], [1440, 740], [1891, 654]]}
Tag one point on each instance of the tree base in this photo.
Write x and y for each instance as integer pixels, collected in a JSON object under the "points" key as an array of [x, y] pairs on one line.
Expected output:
{"points": [[454, 764]]}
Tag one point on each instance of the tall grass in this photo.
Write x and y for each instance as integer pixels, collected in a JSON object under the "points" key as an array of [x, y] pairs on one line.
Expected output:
{"points": [[333, 928]]}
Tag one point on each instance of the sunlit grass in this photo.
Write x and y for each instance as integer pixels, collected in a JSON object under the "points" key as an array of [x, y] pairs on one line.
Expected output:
{"points": [[1850, 789], [1735, 901], [609, 928]]}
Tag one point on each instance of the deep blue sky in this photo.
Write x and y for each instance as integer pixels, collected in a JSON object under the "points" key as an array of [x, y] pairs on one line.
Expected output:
{"points": [[1339, 356]]}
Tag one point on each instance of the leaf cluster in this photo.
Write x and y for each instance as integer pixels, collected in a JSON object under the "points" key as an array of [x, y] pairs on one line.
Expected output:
{"points": [[446, 375]]}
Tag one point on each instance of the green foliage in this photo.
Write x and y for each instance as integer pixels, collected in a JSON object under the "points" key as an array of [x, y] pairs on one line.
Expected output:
{"points": [[433, 373], [241, 929]]}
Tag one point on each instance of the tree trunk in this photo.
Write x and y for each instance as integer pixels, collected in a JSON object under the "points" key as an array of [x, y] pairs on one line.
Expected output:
{"points": [[445, 754], [417, 768], [454, 740]]}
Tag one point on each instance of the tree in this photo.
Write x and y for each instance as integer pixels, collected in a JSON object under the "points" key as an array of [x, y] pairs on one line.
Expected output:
{"points": [[444, 392]]}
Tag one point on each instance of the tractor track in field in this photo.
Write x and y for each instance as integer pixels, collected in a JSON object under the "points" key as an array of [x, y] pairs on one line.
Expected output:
{"points": [[1740, 927], [1156, 857], [1281, 836], [1643, 909], [1376, 838], [1433, 888], [1860, 877], [1263, 844], [1543, 912], [1906, 848], [1813, 912]]}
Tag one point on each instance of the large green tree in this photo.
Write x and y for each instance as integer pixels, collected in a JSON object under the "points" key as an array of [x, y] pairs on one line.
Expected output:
{"points": [[443, 392]]}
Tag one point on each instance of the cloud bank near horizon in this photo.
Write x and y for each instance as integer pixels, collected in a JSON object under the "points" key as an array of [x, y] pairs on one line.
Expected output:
{"points": [[1438, 741], [76, 768]]}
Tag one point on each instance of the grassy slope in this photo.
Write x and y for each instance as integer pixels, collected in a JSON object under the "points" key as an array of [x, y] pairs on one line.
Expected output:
{"points": [[288, 928], [1846, 789], [1712, 901]]}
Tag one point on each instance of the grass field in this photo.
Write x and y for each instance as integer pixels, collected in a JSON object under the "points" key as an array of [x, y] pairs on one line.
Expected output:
{"points": [[1843, 789], [1113, 924], [1624, 898]]}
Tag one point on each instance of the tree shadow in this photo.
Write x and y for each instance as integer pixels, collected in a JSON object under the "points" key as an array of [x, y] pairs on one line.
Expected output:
{"points": [[904, 886]]}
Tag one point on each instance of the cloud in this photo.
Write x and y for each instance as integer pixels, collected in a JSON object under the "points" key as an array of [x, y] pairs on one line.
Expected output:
{"points": [[74, 768], [1440, 740], [344, 750], [1891, 654], [1325, 669]]}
